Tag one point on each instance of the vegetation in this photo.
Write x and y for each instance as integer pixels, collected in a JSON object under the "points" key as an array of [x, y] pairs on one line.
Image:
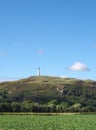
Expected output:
{"points": [[55, 122], [48, 94]]}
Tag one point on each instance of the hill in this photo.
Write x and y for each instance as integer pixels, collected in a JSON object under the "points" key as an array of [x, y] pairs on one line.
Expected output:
{"points": [[68, 93]]}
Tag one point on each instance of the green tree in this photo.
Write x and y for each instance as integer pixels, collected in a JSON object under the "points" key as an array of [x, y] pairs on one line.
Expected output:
{"points": [[15, 106]]}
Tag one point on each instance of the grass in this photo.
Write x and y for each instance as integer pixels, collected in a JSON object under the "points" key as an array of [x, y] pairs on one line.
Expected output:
{"points": [[51, 122]]}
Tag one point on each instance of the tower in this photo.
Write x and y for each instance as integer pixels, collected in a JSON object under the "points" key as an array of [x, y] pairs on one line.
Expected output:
{"points": [[38, 71]]}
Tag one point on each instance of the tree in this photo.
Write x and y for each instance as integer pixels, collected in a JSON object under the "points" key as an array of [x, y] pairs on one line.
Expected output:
{"points": [[15, 106], [5, 107]]}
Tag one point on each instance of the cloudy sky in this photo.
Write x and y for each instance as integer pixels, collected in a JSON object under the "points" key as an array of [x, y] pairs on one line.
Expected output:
{"points": [[59, 36]]}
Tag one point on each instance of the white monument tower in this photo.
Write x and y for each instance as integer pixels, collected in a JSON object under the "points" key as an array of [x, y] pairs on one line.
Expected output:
{"points": [[38, 71]]}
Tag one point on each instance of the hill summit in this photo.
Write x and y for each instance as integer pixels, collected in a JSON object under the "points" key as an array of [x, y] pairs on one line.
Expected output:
{"points": [[45, 90]]}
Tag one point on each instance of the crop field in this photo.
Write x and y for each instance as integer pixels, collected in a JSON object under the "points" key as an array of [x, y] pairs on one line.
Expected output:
{"points": [[50, 122]]}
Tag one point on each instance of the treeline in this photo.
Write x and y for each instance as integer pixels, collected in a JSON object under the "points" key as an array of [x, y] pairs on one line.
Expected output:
{"points": [[29, 106]]}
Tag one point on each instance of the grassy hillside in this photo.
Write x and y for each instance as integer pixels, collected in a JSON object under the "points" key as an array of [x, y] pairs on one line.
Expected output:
{"points": [[44, 89]]}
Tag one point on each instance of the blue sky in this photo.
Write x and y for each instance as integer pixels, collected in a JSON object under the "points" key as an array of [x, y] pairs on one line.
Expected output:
{"points": [[59, 36]]}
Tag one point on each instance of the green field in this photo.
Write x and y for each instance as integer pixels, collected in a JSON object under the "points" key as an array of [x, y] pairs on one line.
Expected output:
{"points": [[51, 122]]}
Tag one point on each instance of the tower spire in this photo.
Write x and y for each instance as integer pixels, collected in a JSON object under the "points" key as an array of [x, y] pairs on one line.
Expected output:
{"points": [[38, 71]]}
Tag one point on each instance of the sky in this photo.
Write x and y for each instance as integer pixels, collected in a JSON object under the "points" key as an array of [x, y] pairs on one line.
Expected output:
{"points": [[59, 36]]}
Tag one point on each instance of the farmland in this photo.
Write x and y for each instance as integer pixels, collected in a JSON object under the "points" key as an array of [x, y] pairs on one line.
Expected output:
{"points": [[47, 122]]}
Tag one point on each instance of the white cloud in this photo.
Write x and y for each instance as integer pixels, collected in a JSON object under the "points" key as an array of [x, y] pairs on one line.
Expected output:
{"points": [[78, 66], [2, 53], [63, 76], [41, 52], [94, 46]]}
